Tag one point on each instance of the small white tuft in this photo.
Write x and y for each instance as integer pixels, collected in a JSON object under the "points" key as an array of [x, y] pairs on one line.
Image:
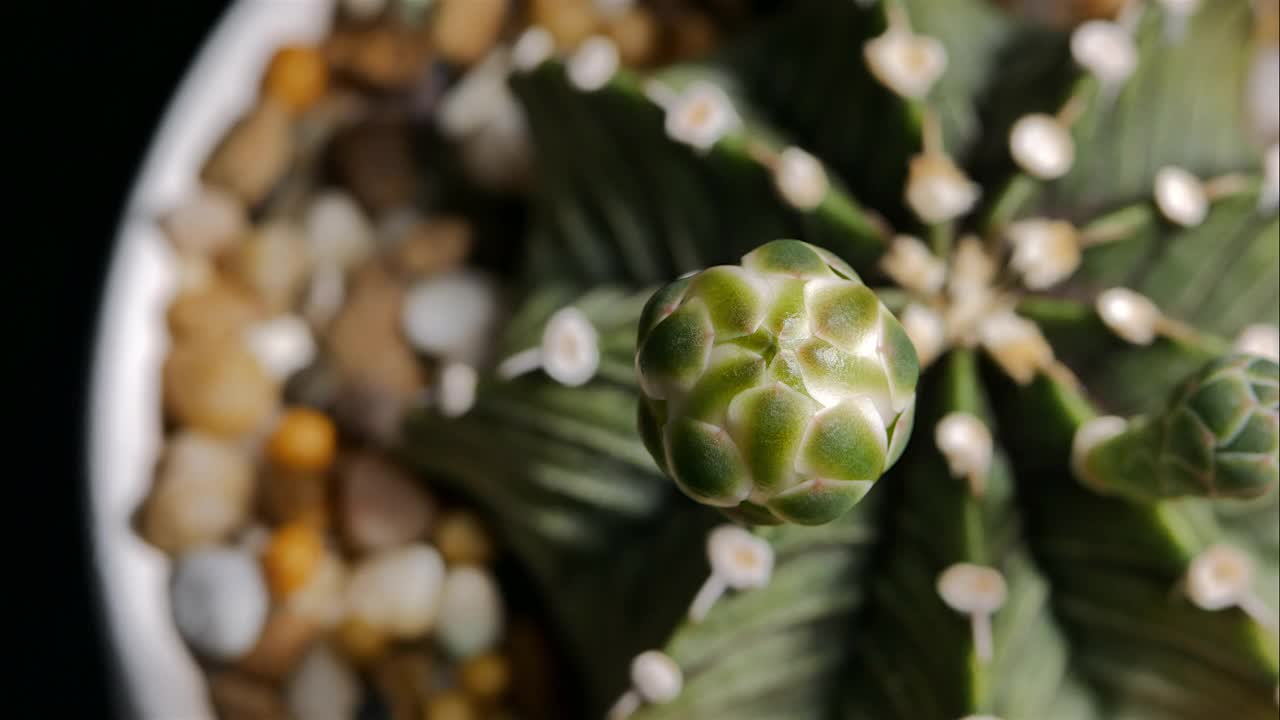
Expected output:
{"points": [[1269, 193], [927, 331], [978, 592], [1042, 146], [570, 350], [800, 179], [457, 389], [937, 190], [1045, 252], [593, 64], [1131, 316], [700, 116], [656, 677], [970, 588], [904, 62], [1219, 577], [1261, 339], [1181, 196], [1016, 344], [534, 46], [741, 559], [1177, 13], [1105, 49], [912, 266], [965, 442], [1089, 435]]}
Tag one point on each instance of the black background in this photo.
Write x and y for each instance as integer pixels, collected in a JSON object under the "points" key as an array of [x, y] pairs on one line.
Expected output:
{"points": [[97, 81]]}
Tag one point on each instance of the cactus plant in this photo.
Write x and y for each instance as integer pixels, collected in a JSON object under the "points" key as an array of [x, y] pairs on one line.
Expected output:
{"points": [[1084, 524]]}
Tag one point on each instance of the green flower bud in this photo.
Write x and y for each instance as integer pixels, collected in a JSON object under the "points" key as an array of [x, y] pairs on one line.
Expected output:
{"points": [[779, 390], [1218, 437]]}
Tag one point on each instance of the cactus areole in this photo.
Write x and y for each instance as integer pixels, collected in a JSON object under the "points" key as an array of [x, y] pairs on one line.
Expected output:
{"points": [[779, 390]]}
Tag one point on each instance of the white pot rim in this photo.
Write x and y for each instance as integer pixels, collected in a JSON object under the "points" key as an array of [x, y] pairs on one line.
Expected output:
{"points": [[159, 677]]}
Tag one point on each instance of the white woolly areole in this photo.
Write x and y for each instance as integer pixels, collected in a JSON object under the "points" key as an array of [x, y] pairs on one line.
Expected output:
{"points": [[457, 389], [972, 268], [739, 558], [1016, 344], [570, 350], [282, 345], [937, 190], [965, 442], [1181, 196], [700, 116], [593, 64], [970, 588], [1269, 193], [1261, 339], [1105, 49], [904, 62], [656, 677], [1219, 577], [1131, 316], [912, 266], [800, 179], [1045, 252], [1042, 146], [926, 329], [534, 46], [1089, 435]]}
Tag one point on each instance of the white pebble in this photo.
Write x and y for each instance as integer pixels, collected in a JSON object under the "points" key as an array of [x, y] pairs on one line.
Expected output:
{"points": [[398, 591], [906, 63], [532, 48], [593, 64], [613, 8], [322, 599], [207, 222], [470, 620], [482, 114], [458, 383], [1042, 146], [452, 315], [322, 687], [337, 231], [1181, 196], [283, 345], [939, 191], [220, 602], [326, 291]]}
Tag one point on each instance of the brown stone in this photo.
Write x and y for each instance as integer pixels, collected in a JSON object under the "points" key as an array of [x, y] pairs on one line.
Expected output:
{"points": [[284, 639], [236, 696], [432, 246], [463, 31], [254, 154], [219, 387]]}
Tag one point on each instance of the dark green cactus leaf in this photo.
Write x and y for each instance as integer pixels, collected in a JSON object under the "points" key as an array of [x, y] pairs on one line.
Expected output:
{"points": [[667, 208], [1181, 107], [1139, 642]]}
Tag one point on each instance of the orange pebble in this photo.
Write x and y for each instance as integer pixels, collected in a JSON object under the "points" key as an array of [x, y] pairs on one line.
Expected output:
{"points": [[449, 705], [305, 440], [291, 557], [297, 77], [360, 641]]}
